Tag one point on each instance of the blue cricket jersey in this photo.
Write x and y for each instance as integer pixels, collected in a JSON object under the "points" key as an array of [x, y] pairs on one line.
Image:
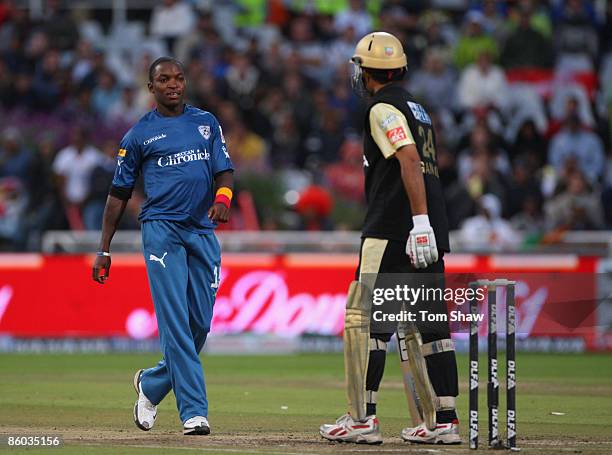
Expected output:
{"points": [[178, 157]]}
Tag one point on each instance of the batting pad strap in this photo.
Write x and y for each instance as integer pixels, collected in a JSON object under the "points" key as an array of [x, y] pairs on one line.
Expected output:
{"points": [[445, 403], [377, 345], [438, 346], [371, 396]]}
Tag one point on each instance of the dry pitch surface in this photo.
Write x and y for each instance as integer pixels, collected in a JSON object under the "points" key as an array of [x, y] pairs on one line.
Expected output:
{"points": [[274, 405]]}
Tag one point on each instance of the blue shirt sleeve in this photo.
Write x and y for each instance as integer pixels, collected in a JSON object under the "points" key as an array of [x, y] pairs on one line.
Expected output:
{"points": [[129, 159], [221, 160]]}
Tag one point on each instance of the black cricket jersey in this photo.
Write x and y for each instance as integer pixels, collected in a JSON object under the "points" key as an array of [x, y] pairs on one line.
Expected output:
{"points": [[388, 214]]}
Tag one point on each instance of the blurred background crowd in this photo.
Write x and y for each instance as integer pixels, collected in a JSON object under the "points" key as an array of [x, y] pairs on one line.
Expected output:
{"points": [[520, 92]]}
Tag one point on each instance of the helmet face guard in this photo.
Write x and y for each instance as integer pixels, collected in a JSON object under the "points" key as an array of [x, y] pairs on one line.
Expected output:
{"points": [[357, 82]]}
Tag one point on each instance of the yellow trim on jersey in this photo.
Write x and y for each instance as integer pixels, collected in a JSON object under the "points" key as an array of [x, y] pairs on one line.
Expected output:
{"points": [[122, 152], [389, 129]]}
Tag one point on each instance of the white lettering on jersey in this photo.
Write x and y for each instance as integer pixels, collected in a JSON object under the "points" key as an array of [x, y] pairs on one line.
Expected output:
{"points": [[154, 138], [388, 120], [183, 157]]}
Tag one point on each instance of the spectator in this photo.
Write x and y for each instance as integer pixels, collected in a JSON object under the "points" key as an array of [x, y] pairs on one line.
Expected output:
{"points": [[346, 176], [576, 207], [439, 32], [250, 150], [106, 93], [45, 208], [481, 169], [342, 49], [207, 48], [197, 39], [355, 17], [73, 166], [13, 202], [575, 143], [60, 26], [242, 78], [526, 47], [46, 84], [530, 219], [567, 100], [15, 159], [474, 42], [495, 22], [576, 28], [530, 146], [540, 15], [314, 207], [435, 82], [488, 230], [285, 143], [523, 185], [100, 179], [323, 143], [6, 83], [125, 110], [172, 20], [83, 61], [482, 84], [309, 52]]}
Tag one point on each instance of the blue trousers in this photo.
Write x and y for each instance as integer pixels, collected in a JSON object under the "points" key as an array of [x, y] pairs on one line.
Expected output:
{"points": [[183, 270]]}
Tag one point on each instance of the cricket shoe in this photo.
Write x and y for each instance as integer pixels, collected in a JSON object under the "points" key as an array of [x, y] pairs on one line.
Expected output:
{"points": [[444, 433], [145, 412], [197, 425], [348, 430]]}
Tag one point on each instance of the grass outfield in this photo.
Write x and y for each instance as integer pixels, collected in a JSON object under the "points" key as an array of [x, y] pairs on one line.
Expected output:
{"points": [[274, 404]]}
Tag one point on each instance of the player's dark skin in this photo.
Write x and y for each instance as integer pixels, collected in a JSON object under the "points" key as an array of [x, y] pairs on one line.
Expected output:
{"points": [[168, 88]]}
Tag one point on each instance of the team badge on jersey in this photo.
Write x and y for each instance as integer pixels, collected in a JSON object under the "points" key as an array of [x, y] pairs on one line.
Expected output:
{"points": [[204, 131], [419, 112]]}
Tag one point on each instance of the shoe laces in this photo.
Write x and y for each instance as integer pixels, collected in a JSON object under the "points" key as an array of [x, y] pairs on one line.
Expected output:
{"points": [[343, 420]]}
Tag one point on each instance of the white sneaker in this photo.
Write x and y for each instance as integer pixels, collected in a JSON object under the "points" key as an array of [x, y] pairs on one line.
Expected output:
{"points": [[444, 433], [348, 430], [197, 425], [145, 412]]}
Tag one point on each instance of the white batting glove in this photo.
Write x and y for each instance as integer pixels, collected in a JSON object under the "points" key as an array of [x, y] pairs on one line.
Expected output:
{"points": [[421, 246]]}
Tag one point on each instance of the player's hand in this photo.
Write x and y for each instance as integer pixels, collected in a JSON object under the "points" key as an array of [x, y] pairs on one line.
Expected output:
{"points": [[101, 264], [219, 213], [421, 246]]}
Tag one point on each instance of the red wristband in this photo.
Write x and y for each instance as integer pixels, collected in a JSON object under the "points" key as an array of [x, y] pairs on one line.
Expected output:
{"points": [[223, 199]]}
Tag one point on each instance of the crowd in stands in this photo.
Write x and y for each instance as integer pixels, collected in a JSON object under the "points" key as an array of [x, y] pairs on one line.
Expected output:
{"points": [[520, 92]]}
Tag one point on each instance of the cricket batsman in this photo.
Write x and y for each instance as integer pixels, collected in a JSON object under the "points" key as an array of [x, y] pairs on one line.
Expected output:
{"points": [[188, 179], [405, 231]]}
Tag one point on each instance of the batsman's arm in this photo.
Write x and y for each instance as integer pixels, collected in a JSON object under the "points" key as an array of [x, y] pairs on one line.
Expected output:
{"points": [[113, 211], [421, 245], [412, 178], [392, 134]]}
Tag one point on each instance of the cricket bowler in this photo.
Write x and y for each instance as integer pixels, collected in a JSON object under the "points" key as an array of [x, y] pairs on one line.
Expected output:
{"points": [[188, 180], [405, 231]]}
